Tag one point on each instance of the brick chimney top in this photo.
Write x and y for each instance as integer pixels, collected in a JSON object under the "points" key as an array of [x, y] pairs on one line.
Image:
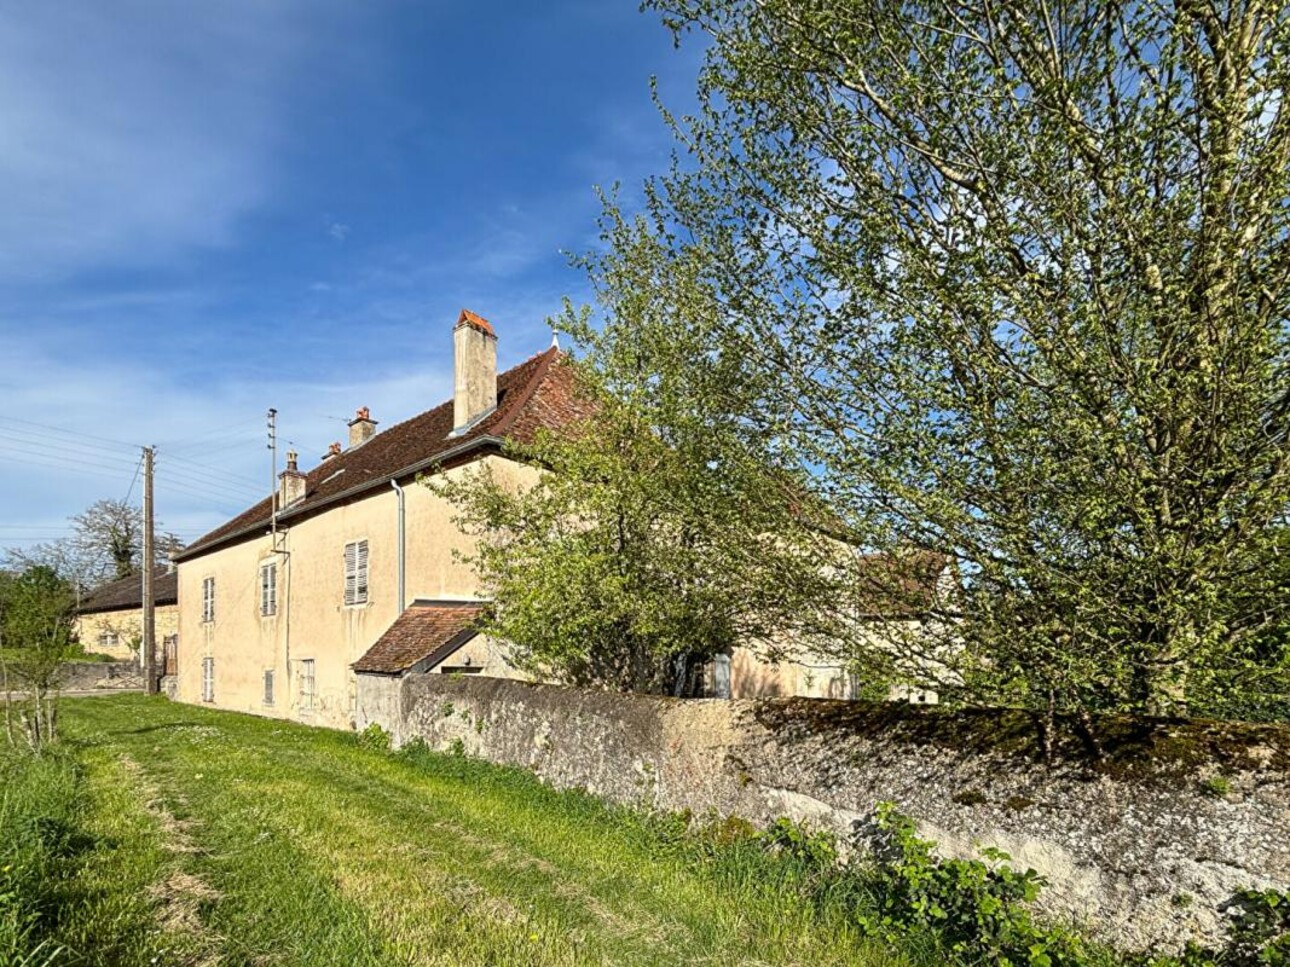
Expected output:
{"points": [[291, 482], [332, 451], [362, 427]]}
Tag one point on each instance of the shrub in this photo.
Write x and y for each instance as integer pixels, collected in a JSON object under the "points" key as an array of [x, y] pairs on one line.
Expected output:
{"points": [[976, 910], [374, 738]]}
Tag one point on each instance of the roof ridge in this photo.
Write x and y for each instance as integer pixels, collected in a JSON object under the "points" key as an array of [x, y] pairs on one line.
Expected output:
{"points": [[513, 408]]}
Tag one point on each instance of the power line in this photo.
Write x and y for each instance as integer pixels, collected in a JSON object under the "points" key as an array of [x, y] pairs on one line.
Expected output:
{"points": [[65, 447], [73, 433], [133, 480], [189, 467], [188, 442]]}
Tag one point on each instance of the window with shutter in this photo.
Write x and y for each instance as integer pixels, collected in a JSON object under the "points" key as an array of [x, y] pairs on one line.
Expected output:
{"points": [[268, 589], [208, 679], [268, 687], [208, 599], [356, 572]]}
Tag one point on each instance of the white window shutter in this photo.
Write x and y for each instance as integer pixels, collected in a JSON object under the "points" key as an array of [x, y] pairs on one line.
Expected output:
{"points": [[360, 590], [351, 573]]}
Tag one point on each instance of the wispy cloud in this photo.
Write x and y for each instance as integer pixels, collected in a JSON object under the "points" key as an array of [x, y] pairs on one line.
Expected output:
{"points": [[135, 129]]}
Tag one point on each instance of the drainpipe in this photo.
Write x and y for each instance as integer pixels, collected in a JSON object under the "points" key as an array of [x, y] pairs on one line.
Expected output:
{"points": [[403, 597]]}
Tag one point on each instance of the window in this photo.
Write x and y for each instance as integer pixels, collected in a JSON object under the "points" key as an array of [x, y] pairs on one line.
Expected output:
{"points": [[308, 685], [108, 639], [208, 679], [208, 599], [269, 589], [356, 572], [268, 687]]}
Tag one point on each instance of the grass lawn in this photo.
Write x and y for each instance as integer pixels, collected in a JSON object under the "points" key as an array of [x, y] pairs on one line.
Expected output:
{"points": [[200, 837]]}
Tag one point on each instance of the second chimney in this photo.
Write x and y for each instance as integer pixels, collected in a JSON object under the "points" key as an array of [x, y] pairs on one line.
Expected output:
{"points": [[474, 357], [361, 428], [291, 482]]}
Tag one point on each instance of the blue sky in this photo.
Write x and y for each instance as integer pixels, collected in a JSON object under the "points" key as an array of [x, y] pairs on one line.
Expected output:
{"points": [[215, 208]]}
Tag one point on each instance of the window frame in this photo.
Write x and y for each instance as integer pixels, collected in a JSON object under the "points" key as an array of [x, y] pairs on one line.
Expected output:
{"points": [[208, 599], [208, 679], [307, 698], [357, 585], [270, 684], [268, 589]]}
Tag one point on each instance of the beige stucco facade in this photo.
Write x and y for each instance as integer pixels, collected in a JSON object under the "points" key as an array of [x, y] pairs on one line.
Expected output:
{"points": [[119, 633], [312, 622]]}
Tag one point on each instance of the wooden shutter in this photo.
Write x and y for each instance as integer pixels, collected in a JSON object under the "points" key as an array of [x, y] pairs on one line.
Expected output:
{"points": [[360, 579], [351, 573]]}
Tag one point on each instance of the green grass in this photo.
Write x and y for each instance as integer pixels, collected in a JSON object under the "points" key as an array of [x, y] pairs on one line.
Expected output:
{"points": [[203, 837]]}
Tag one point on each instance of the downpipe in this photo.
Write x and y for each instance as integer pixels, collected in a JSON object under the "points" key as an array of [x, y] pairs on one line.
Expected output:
{"points": [[402, 547]]}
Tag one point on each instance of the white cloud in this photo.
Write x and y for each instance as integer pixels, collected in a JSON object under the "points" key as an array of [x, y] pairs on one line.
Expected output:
{"points": [[212, 459]]}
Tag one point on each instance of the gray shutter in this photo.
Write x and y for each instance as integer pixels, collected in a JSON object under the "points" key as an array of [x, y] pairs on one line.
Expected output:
{"points": [[351, 573], [360, 591]]}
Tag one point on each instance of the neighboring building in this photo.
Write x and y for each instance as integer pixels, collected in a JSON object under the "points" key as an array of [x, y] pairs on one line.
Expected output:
{"points": [[285, 613], [109, 620], [897, 597]]}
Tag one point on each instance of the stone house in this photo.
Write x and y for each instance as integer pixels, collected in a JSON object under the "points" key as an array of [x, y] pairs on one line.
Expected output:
{"points": [[109, 620], [317, 602]]}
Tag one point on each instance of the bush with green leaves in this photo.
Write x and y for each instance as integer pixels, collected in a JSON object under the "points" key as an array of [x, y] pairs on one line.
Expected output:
{"points": [[980, 911], [977, 910], [374, 738]]}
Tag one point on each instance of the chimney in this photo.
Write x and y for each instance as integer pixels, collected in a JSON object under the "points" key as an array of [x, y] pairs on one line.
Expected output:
{"points": [[361, 428], [332, 451], [474, 356], [291, 482]]}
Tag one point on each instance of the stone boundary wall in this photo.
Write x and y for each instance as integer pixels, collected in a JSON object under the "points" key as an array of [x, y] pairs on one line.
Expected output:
{"points": [[1142, 848], [85, 675]]}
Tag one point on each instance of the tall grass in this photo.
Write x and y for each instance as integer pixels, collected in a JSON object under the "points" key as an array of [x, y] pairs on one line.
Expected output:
{"points": [[38, 807]]}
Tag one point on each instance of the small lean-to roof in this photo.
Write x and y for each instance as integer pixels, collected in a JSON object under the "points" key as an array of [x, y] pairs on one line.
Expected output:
{"points": [[539, 393], [127, 593], [428, 631]]}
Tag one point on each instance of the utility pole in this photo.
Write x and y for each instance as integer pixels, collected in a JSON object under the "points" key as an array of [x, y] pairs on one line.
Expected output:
{"points": [[149, 613]]}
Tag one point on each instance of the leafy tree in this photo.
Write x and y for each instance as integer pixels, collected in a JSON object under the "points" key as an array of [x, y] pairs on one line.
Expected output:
{"points": [[649, 543], [36, 639], [1014, 276], [106, 544]]}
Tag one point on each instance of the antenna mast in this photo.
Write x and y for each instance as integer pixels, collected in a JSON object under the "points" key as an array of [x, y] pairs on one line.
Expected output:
{"points": [[273, 478]]}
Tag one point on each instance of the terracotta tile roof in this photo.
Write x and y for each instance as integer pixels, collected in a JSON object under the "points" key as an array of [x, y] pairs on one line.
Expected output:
{"points": [[538, 393], [428, 630], [468, 318], [127, 593]]}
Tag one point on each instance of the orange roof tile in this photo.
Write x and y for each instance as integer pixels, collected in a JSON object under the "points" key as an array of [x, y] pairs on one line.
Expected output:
{"points": [[468, 318]]}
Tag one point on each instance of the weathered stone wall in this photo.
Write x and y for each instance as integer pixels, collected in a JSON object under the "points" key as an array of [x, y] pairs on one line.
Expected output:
{"points": [[84, 675], [1141, 847]]}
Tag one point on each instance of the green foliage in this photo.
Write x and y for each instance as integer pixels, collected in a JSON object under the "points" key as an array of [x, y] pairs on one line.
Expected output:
{"points": [[1013, 282], [374, 738], [1258, 935], [978, 910], [36, 639], [654, 538], [1217, 786]]}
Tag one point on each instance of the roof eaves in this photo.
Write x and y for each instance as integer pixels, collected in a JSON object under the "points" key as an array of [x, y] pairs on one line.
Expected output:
{"points": [[306, 509]]}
